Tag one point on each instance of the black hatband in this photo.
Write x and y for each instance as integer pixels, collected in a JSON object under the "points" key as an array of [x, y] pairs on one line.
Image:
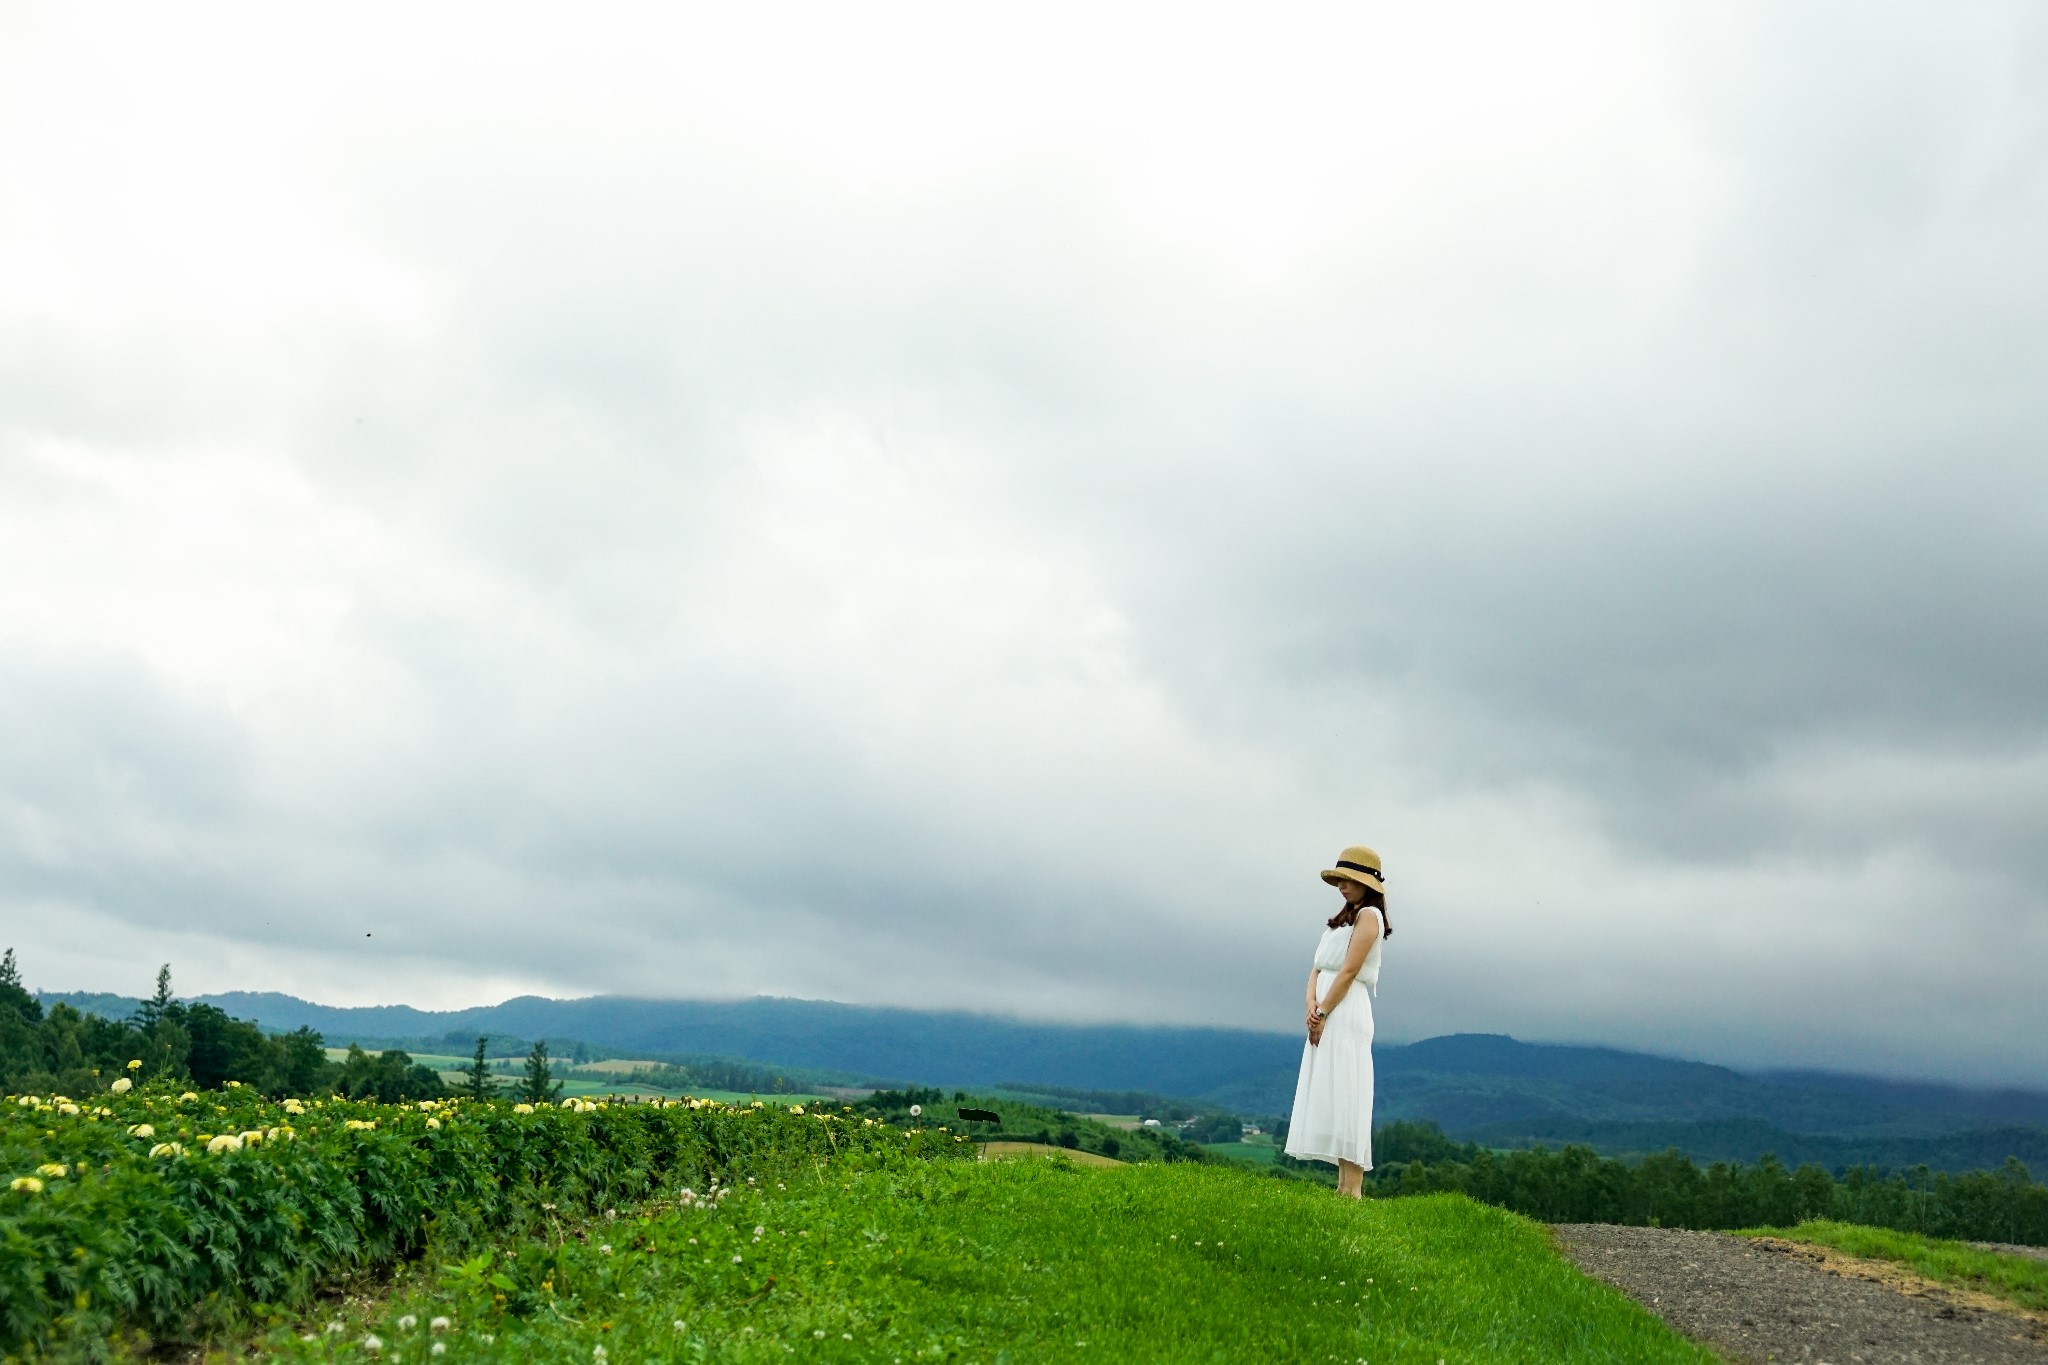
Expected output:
{"points": [[1375, 873]]}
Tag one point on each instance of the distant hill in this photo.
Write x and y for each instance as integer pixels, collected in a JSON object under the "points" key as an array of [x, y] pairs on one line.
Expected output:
{"points": [[1479, 1087]]}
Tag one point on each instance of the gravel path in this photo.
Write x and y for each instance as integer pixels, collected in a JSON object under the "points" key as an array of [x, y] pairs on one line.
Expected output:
{"points": [[1757, 1303]]}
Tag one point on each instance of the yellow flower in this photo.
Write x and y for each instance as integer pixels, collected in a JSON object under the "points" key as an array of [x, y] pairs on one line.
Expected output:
{"points": [[252, 1136], [360, 1125], [234, 1085], [142, 1130], [796, 1109], [433, 1123], [122, 1086], [226, 1142], [135, 1065], [26, 1184], [168, 1149], [522, 1109], [67, 1108], [56, 1170], [188, 1095]]}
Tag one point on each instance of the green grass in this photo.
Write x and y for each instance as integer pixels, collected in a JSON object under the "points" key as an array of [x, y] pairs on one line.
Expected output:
{"points": [[1258, 1153], [2018, 1279], [1020, 1261]]}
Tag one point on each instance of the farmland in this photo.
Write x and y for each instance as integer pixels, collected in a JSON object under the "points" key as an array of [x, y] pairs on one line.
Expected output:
{"points": [[684, 1230]]}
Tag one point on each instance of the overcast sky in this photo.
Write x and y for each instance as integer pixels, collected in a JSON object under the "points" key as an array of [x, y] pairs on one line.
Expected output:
{"points": [[975, 506]]}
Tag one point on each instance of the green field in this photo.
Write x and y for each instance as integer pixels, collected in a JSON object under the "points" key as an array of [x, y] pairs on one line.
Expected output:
{"points": [[1020, 1261], [1258, 1153], [2021, 1280]]}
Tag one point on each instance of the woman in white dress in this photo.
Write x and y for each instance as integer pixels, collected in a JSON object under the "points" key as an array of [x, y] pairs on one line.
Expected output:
{"points": [[1333, 1099]]}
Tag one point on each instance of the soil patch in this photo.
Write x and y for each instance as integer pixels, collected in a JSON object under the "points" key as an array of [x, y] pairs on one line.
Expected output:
{"points": [[1760, 1299]]}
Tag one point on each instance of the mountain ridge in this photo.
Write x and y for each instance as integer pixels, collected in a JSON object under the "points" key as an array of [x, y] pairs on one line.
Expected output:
{"points": [[1478, 1087]]}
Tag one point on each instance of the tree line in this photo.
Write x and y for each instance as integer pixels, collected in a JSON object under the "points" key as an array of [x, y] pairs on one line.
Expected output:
{"points": [[1577, 1185], [65, 1051]]}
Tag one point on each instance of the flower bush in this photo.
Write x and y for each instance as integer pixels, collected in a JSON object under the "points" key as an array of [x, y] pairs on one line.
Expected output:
{"points": [[162, 1215]]}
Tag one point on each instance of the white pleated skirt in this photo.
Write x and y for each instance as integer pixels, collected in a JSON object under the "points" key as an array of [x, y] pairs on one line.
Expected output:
{"points": [[1332, 1118]]}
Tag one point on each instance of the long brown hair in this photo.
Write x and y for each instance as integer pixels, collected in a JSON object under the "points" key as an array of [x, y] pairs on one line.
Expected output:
{"points": [[1374, 897]]}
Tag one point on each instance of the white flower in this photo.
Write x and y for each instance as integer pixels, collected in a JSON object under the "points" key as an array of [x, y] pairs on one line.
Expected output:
{"points": [[735, 1258], [142, 1130], [819, 1333], [335, 1329], [67, 1108], [605, 1249], [226, 1142], [408, 1322], [122, 1086], [917, 1111], [758, 1229], [433, 1123], [373, 1343], [439, 1325], [597, 1353], [439, 1348], [679, 1324]]}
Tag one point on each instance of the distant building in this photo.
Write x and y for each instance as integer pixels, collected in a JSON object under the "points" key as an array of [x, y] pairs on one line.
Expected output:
{"points": [[1151, 1123], [1252, 1130]]}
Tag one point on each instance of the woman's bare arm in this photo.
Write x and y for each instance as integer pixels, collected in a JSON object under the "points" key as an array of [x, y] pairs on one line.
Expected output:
{"points": [[1354, 958]]}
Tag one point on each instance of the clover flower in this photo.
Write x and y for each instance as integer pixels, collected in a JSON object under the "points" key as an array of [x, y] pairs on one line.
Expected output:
{"points": [[122, 1086], [26, 1184], [142, 1130]]}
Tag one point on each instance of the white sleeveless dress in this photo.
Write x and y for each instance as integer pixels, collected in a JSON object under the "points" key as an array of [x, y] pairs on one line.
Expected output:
{"points": [[1333, 1099]]}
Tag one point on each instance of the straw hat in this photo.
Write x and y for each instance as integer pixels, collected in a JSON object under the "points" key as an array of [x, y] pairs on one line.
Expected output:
{"points": [[1358, 864]]}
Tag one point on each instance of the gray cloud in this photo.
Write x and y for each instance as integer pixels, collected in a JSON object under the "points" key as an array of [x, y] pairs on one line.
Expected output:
{"points": [[652, 518]]}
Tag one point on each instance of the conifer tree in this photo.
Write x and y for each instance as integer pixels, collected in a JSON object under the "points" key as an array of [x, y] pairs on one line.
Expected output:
{"points": [[477, 1082], [15, 996], [539, 1085]]}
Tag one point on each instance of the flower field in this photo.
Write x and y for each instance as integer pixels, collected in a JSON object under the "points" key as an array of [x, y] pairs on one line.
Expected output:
{"points": [[144, 1215]]}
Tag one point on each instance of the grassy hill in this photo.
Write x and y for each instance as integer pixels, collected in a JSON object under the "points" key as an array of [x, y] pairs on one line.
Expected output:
{"points": [[1030, 1261]]}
